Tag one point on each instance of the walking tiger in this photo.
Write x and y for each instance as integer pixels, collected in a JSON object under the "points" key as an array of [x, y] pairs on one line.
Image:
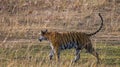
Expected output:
{"points": [[67, 40]]}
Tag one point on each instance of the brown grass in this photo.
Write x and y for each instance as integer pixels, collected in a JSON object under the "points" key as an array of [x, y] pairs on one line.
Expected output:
{"points": [[22, 20]]}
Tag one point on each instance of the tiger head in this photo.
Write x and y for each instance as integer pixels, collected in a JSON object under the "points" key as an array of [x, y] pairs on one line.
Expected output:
{"points": [[43, 35]]}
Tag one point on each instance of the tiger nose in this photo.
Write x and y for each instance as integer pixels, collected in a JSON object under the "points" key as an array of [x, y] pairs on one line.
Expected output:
{"points": [[39, 39]]}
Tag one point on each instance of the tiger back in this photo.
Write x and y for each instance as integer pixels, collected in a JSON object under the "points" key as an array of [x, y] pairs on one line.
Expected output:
{"points": [[71, 40]]}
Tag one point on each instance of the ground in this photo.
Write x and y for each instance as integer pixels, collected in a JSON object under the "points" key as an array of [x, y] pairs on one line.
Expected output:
{"points": [[22, 20]]}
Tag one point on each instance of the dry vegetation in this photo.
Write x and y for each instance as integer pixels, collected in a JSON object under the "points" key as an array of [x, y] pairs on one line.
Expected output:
{"points": [[21, 21]]}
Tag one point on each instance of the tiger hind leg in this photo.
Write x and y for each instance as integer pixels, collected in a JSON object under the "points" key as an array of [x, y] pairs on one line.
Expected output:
{"points": [[92, 51], [77, 55]]}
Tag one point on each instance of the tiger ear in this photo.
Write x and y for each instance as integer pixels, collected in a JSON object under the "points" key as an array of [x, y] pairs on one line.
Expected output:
{"points": [[43, 32]]}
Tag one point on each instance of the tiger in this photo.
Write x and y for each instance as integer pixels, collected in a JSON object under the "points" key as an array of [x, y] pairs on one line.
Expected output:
{"points": [[67, 40]]}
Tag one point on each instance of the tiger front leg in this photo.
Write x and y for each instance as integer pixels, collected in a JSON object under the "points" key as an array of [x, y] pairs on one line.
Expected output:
{"points": [[51, 51], [51, 54], [57, 55], [56, 50]]}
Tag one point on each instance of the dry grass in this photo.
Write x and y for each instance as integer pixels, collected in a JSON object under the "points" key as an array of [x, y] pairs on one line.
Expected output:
{"points": [[24, 19], [21, 21], [35, 54]]}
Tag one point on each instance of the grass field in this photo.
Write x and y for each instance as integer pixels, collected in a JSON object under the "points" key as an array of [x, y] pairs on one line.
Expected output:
{"points": [[35, 54], [22, 20]]}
